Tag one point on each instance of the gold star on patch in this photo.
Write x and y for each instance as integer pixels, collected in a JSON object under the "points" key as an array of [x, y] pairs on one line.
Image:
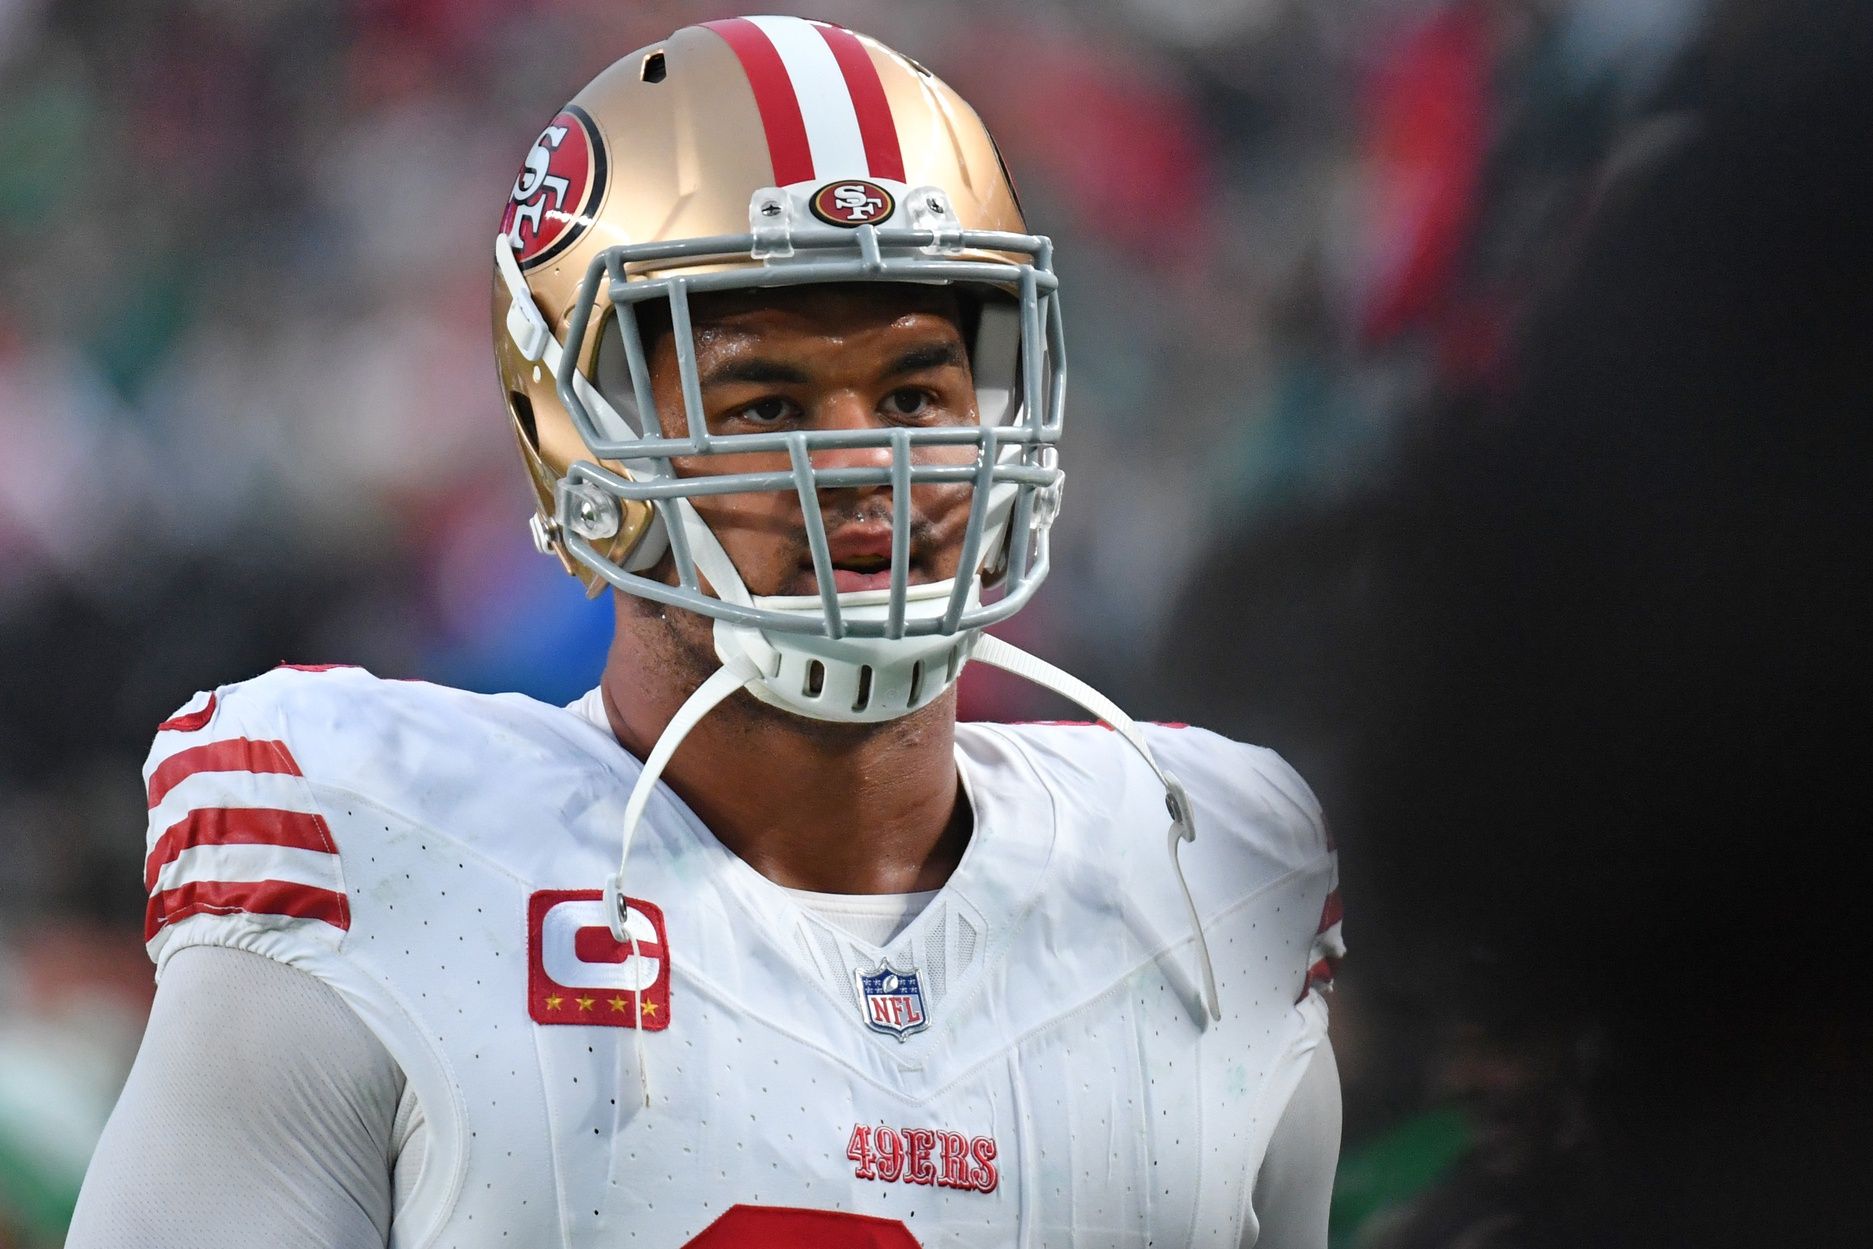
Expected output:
{"points": [[585, 1003], [552, 1003], [650, 1008], [617, 1003]]}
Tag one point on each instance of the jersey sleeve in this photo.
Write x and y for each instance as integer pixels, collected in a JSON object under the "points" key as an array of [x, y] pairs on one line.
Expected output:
{"points": [[237, 851], [1328, 946]]}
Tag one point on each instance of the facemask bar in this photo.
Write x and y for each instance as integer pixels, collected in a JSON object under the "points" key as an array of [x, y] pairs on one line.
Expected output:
{"points": [[1015, 479]]}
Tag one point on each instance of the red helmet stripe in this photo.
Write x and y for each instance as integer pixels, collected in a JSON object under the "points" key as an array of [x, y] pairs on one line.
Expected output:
{"points": [[773, 95], [875, 124]]}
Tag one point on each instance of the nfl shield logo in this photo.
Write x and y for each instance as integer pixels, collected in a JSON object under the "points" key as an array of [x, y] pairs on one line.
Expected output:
{"points": [[892, 1001]]}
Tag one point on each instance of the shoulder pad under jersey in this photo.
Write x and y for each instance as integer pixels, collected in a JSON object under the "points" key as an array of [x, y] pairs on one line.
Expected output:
{"points": [[238, 852], [1257, 821]]}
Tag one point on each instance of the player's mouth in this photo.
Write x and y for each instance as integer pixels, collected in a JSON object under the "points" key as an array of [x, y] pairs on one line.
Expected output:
{"points": [[861, 560], [863, 573]]}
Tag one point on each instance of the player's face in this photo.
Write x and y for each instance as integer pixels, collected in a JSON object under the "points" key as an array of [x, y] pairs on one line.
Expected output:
{"points": [[833, 358]]}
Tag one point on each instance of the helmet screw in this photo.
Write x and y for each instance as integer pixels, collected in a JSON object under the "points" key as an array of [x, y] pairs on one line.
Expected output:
{"points": [[770, 209], [594, 514]]}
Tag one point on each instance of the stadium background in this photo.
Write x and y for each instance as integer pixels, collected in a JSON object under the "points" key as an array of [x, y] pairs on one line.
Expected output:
{"points": [[1466, 400]]}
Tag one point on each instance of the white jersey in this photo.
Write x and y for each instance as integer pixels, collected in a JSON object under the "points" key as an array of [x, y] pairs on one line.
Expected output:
{"points": [[1027, 1062]]}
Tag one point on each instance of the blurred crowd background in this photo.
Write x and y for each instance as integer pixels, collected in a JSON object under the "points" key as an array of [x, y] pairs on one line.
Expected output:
{"points": [[1467, 400]]}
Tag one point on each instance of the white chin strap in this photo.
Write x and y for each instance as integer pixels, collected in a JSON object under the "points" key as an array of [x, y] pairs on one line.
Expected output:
{"points": [[999, 654]]}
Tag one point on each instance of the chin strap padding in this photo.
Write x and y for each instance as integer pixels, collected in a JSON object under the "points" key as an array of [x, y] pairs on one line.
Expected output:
{"points": [[999, 654]]}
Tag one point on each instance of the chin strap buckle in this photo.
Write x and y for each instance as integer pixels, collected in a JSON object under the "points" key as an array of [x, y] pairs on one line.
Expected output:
{"points": [[617, 908], [1178, 804], [1047, 498], [1047, 505], [526, 325]]}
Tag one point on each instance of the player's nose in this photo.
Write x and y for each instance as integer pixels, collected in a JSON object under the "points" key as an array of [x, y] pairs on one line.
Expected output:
{"points": [[848, 412]]}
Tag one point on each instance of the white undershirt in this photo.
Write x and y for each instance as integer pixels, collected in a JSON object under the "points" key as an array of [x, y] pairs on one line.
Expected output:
{"points": [[874, 918]]}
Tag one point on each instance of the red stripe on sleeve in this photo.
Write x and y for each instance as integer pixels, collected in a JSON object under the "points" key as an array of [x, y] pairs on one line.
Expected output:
{"points": [[773, 95], [237, 754], [1331, 913], [230, 826], [1320, 975], [875, 125], [255, 897], [192, 721]]}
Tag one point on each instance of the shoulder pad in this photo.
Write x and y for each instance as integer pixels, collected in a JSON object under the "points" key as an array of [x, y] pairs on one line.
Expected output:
{"points": [[237, 851], [1256, 819], [1244, 790]]}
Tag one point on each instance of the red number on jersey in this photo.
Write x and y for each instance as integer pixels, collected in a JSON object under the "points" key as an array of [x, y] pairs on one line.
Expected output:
{"points": [[783, 1227]]}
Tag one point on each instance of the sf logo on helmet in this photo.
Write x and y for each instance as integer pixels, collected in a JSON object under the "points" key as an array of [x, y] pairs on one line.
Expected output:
{"points": [[537, 176], [558, 189], [852, 203]]}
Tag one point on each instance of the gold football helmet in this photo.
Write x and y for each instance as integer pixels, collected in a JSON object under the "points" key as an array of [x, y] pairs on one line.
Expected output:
{"points": [[764, 152]]}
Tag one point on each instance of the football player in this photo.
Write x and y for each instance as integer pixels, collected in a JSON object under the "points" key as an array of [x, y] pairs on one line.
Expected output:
{"points": [[754, 944]]}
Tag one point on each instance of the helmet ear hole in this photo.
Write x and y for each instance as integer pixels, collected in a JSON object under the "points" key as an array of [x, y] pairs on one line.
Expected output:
{"points": [[522, 408], [653, 70]]}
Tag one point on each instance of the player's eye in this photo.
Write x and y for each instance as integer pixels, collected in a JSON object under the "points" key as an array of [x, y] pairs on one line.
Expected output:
{"points": [[907, 401], [770, 411]]}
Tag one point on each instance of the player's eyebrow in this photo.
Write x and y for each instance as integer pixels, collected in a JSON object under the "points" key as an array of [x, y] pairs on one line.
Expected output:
{"points": [[756, 371], [929, 356], [759, 372]]}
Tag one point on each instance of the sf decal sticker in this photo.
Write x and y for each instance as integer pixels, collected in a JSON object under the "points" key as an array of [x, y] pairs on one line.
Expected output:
{"points": [[852, 203], [558, 190]]}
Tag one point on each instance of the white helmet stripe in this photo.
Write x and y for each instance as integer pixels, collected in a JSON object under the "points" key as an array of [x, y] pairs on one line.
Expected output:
{"points": [[832, 128]]}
